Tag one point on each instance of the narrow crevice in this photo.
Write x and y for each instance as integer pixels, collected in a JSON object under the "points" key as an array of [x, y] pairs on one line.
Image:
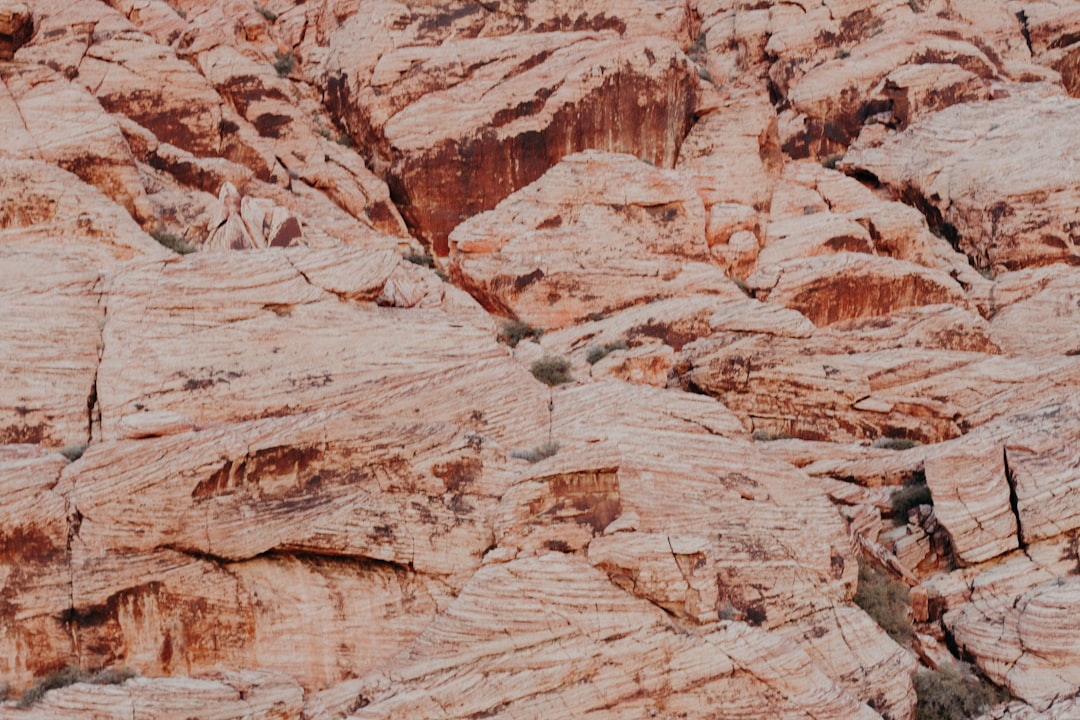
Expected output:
{"points": [[1014, 501], [1024, 30], [93, 412]]}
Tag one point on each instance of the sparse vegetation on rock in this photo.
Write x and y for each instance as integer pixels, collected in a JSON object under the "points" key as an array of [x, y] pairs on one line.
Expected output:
{"points": [[885, 600], [552, 370], [512, 332], [599, 352], [69, 676], [284, 63], [953, 692], [174, 242], [538, 453]]}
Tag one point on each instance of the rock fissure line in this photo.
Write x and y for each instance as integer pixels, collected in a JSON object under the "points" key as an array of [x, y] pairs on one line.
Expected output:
{"points": [[1014, 501]]}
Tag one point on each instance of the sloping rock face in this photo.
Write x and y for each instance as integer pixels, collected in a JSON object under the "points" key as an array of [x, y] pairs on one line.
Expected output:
{"points": [[1005, 197], [537, 359], [644, 226], [508, 109]]}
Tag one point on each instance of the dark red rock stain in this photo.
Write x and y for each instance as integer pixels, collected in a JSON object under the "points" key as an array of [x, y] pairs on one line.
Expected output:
{"points": [[458, 474], [438, 188]]}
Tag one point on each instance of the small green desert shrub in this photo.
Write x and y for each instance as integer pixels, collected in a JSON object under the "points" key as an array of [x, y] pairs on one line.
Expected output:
{"points": [[953, 693], [174, 242], [911, 495], [842, 54], [829, 161], [599, 352], [538, 453], [891, 443], [266, 13], [344, 139], [422, 259], [885, 600], [74, 452], [284, 63], [69, 676], [765, 436], [514, 331], [552, 370]]}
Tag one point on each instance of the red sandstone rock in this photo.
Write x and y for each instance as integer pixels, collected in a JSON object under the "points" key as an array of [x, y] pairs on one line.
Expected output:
{"points": [[250, 694], [315, 460], [1004, 196], [16, 26], [508, 119], [1050, 28], [646, 239]]}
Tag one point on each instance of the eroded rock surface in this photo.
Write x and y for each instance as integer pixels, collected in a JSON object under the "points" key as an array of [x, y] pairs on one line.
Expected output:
{"points": [[564, 358]]}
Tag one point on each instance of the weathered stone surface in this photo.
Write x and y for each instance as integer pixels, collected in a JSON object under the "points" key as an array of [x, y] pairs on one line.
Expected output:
{"points": [[1016, 710], [43, 207], [244, 223], [51, 331], [508, 113], [129, 73], [1024, 640], [271, 342], [250, 694], [851, 285], [1050, 28], [645, 239], [848, 646], [35, 576], [295, 474], [317, 460], [1011, 482], [47, 106], [577, 627], [1005, 196], [904, 375], [665, 552], [733, 152], [1043, 323], [16, 27]]}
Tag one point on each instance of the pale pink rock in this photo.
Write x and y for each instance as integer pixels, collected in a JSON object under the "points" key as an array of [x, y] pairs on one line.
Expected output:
{"points": [[539, 102], [34, 567], [733, 153], [1011, 481], [1046, 322], [261, 316], [52, 332], [851, 649], [646, 230], [47, 108], [46, 210], [1027, 643], [848, 286], [244, 223], [918, 90], [920, 373], [257, 695], [575, 624], [1050, 28], [129, 73], [1007, 197]]}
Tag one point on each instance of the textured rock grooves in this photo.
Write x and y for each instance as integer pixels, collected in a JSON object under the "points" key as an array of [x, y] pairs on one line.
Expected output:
{"points": [[794, 288]]}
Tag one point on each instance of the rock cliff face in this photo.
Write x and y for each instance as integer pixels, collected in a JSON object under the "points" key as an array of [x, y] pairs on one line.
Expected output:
{"points": [[538, 359]]}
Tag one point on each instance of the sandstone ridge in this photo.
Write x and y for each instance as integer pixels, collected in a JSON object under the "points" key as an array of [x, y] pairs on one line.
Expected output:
{"points": [[569, 358]]}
